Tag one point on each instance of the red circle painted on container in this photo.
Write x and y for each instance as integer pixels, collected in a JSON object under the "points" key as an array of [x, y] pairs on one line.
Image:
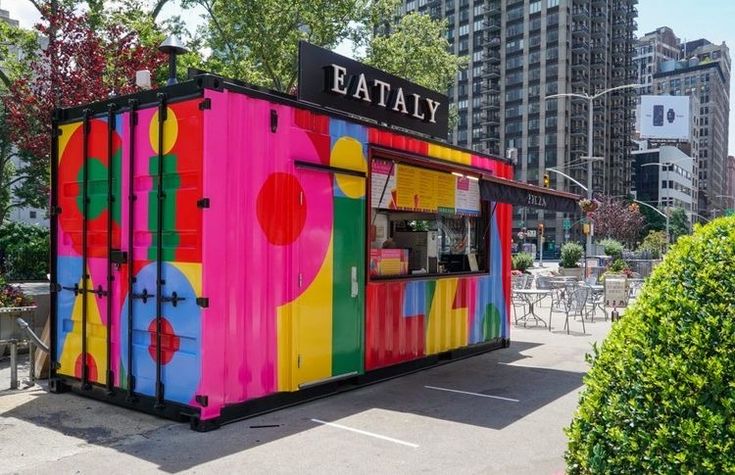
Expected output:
{"points": [[91, 367], [281, 214], [169, 341]]}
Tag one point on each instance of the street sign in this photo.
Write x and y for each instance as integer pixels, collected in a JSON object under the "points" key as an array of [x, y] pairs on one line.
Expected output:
{"points": [[531, 233], [567, 224]]}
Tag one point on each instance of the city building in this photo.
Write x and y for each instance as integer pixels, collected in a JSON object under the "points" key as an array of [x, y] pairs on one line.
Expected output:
{"points": [[702, 73], [664, 177], [730, 188], [651, 51], [521, 51]]}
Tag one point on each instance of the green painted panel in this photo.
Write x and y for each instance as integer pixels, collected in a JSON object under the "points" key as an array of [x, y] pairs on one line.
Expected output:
{"points": [[491, 323], [347, 311], [171, 183]]}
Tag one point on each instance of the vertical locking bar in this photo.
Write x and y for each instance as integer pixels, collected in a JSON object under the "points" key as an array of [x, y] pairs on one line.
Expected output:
{"points": [[159, 249], [131, 248], [54, 239], [85, 215], [110, 278]]}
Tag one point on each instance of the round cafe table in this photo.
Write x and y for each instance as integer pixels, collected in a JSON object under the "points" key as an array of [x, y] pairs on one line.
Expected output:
{"points": [[532, 297]]}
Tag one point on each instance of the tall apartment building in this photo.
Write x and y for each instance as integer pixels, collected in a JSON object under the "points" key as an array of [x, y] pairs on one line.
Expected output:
{"points": [[651, 51], [703, 73], [524, 50]]}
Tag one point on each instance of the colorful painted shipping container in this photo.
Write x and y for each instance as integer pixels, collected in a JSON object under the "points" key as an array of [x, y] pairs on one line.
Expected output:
{"points": [[240, 217]]}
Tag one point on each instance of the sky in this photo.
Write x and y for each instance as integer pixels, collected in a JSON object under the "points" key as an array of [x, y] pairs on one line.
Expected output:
{"points": [[690, 20]]}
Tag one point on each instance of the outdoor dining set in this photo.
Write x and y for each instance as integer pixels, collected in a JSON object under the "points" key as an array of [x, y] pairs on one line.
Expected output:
{"points": [[566, 295]]}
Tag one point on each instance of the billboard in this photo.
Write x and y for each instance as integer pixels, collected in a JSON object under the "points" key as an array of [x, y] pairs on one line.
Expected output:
{"points": [[664, 117]]}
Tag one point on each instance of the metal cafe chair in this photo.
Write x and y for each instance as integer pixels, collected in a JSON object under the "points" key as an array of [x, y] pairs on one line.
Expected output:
{"points": [[516, 283], [576, 303]]}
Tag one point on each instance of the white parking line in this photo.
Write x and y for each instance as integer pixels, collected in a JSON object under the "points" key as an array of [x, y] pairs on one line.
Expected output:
{"points": [[472, 394], [364, 432]]}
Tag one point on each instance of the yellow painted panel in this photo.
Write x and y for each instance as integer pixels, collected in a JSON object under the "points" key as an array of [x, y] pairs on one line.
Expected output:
{"points": [[449, 154], [193, 273], [96, 340], [66, 133], [286, 353], [310, 315], [447, 327]]}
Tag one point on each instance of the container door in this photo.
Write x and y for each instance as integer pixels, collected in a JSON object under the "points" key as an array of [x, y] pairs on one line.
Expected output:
{"points": [[88, 227], [329, 315], [161, 315]]}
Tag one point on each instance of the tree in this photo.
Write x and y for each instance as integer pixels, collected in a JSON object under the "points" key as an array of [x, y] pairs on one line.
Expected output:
{"points": [[678, 224], [257, 41], [21, 179], [418, 49], [618, 220], [653, 220], [90, 56]]}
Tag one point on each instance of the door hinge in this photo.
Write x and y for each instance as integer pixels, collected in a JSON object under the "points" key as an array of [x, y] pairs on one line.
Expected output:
{"points": [[203, 203], [274, 120], [203, 302], [205, 104], [55, 211], [202, 399]]}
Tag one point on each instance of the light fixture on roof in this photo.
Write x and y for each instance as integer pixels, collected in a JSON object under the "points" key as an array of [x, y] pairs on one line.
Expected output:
{"points": [[173, 47]]}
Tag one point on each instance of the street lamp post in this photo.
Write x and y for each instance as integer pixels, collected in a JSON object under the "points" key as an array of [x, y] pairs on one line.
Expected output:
{"points": [[590, 138]]}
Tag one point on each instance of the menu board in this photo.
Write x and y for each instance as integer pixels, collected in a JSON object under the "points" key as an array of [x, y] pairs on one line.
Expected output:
{"points": [[382, 184], [468, 196], [418, 189]]}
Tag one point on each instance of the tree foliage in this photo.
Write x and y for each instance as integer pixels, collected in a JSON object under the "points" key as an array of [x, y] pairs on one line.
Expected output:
{"points": [[257, 41], [73, 57], [660, 396], [678, 224], [618, 220], [418, 49]]}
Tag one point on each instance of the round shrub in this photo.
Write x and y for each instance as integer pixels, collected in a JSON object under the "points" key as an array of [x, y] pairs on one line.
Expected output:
{"points": [[571, 253], [612, 248], [522, 261], [24, 251], [660, 396]]}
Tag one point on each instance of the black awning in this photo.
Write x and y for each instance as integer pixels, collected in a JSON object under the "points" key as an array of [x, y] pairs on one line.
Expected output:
{"points": [[521, 194]]}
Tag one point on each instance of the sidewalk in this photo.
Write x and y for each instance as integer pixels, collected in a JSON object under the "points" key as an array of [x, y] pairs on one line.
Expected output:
{"points": [[500, 412]]}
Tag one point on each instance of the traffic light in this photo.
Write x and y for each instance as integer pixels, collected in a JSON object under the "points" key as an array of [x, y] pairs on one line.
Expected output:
{"points": [[541, 229], [546, 180]]}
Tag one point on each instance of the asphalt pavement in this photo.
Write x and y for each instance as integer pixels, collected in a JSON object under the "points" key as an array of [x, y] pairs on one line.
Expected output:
{"points": [[500, 412]]}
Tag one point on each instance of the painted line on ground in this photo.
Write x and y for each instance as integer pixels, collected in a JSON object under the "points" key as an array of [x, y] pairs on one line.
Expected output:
{"points": [[364, 432], [489, 396]]}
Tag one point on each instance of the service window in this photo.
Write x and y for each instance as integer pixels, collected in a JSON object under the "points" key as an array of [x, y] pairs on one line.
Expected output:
{"points": [[425, 222]]}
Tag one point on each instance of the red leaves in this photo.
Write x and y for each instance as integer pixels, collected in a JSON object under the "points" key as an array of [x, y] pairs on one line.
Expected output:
{"points": [[81, 64], [618, 220]]}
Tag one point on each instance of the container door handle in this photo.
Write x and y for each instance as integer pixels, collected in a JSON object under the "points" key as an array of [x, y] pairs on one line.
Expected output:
{"points": [[354, 289]]}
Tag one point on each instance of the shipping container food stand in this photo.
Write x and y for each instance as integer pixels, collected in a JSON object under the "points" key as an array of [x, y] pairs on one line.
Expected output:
{"points": [[220, 250]]}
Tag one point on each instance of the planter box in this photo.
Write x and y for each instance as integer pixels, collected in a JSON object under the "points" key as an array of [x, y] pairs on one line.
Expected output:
{"points": [[577, 272]]}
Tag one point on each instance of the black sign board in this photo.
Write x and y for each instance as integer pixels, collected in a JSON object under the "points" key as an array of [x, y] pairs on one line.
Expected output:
{"points": [[532, 198], [330, 80]]}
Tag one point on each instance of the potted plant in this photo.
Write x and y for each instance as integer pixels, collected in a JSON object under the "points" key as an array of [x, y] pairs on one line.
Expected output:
{"points": [[588, 206], [571, 253], [521, 261], [13, 304]]}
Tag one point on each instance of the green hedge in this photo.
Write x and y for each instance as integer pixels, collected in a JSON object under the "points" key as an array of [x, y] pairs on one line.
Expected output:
{"points": [[522, 261], [660, 396], [571, 253], [25, 251]]}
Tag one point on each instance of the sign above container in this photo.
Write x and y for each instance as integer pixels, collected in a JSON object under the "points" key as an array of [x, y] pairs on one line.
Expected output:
{"points": [[330, 80]]}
